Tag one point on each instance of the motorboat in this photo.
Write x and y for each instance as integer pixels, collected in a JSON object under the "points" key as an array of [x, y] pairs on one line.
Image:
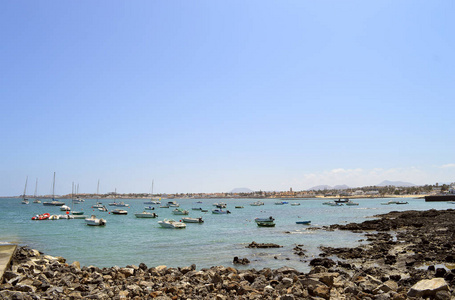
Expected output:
{"points": [[164, 206], [103, 208], [44, 216], [257, 203], [152, 202], [94, 221], [351, 203], [220, 205], [239, 206], [295, 203], [98, 205], [119, 212], [192, 220], [265, 224], [65, 208], [149, 207], [37, 201], [269, 219], [402, 202], [146, 214], [25, 201], [180, 211], [54, 217], [169, 223], [303, 222], [113, 203], [67, 216], [197, 208], [53, 203], [122, 204], [220, 211]]}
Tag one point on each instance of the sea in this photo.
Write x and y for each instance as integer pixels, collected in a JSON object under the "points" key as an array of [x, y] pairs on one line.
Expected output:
{"points": [[127, 240]]}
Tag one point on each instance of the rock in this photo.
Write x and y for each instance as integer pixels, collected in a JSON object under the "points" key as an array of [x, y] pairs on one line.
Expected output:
{"points": [[76, 264], [287, 297], [241, 261], [327, 278], [386, 287], [263, 245], [325, 262], [428, 287]]}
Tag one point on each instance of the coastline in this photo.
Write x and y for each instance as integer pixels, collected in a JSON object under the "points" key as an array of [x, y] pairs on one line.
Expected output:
{"points": [[406, 250]]}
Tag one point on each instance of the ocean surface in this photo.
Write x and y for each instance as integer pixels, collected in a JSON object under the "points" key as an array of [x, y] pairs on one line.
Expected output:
{"points": [[127, 240]]}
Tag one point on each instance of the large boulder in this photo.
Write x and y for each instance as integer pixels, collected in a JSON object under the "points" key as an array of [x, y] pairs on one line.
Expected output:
{"points": [[428, 287]]}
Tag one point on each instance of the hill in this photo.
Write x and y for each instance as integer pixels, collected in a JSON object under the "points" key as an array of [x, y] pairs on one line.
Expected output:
{"points": [[241, 190], [396, 183]]}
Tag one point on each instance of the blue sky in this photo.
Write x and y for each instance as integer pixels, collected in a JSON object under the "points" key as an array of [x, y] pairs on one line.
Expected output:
{"points": [[207, 96]]}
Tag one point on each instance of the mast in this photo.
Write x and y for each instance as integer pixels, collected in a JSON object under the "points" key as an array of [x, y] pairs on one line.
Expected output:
{"points": [[152, 187], [25, 188], [98, 188], [36, 188], [53, 189]]}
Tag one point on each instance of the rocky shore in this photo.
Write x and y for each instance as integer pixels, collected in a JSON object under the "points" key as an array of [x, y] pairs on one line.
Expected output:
{"points": [[407, 257]]}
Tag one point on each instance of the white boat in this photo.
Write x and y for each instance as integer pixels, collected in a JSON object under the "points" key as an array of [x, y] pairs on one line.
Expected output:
{"points": [[103, 208], [164, 206], [220, 205], [173, 204], [146, 214], [264, 220], [192, 220], [98, 205], [25, 200], [295, 204], [257, 203], [156, 201], [220, 212], [53, 202], [169, 223], [122, 204], [180, 211], [119, 212], [351, 203], [65, 208], [149, 208], [54, 217], [34, 195], [389, 202], [94, 221]]}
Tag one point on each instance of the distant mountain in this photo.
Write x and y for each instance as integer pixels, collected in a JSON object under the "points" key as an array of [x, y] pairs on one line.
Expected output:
{"points": [[320, 188], [396, 183], [241, 190], [341, 187]]}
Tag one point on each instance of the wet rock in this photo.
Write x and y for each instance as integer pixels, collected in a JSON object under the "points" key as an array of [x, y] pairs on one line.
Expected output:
{"points": [[263, 245], [241, 261]]}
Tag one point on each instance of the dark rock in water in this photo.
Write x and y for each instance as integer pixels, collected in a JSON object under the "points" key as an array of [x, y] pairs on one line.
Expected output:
{"points": [[263, 245], [241, 261], [325, 262]]}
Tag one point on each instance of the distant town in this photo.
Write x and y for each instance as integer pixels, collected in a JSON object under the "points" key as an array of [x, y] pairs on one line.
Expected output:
{"points": [[389, 191]]}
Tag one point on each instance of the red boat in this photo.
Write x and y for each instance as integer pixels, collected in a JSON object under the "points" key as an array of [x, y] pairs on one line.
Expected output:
{"points": [[41, 217]]}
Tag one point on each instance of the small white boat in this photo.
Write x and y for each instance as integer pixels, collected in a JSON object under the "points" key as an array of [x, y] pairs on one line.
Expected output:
{"points": [[65, 208], [122, 204], [146, 214], [53, 203], [93, 221], [149, 207], [220, 212], [169, 223], [192, 220], [98, 205], [68, 217], [197, 208], [257, 203], [37, 201], [25, 201], [351, 203], [264, 220], [119, 212], [54, 217], [295, 204], [103, 208], [180, 211]]}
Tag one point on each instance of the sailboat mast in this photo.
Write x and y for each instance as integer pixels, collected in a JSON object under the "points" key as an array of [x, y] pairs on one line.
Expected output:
{"points": [[53, 189], [98, 188], [36, 188], [25, 188]]}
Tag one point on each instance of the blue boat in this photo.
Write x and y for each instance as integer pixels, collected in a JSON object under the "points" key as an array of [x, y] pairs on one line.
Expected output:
{"points": [[303, 222]]}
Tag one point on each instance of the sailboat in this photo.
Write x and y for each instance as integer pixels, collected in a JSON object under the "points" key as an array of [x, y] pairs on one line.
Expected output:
{"points": [[53, 202], [34, 195], [76, 213], [151, 198], [25, 200]]}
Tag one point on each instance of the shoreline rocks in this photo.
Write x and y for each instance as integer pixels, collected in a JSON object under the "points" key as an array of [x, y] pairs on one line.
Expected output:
{"points": [[385, 268]]}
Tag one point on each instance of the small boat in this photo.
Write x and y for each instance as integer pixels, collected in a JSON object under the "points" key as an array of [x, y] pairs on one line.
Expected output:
{"points": [[199, 202], [173, 204], [192, 220], [265, 224], [264, 220], [402, 202], [149, 208], [54, 217], [122, 204], [342, 200], [164, 206], [67, 216], [65, 208], [220, 205], [53, 203], [104, 208], [25, 200], [303, 222], [169, 223], [351, 203], [146, 214], [98, 205], [239, 206], [113, 204], [77, 213], [93, 221], [119, 212], [37, 201], [220, 211], [204, 210], [197, 208], [279, 203], [180, 211], [152, 202], [257, 203], [295, 204], [44, 216]]}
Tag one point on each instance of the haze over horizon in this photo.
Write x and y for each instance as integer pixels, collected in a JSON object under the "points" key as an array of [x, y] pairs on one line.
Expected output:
{"points": [[207, 96]]}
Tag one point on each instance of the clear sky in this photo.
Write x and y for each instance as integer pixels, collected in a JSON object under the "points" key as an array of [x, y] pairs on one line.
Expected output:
{"points": [[207, 96]]}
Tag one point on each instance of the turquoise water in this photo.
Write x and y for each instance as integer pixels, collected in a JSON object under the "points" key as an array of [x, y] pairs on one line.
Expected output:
{"points": [[129, 240]]}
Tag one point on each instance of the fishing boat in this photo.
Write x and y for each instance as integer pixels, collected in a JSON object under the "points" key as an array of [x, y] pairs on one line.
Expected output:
{"points": [[265, 224], [220, 211], [36, 200], [263, 220], [146, 214], [119, 211], [180, 211], [44, 216], [169, 223], [25, 200], [303, 222], [192, 220], [53, 202], [94, 221]]}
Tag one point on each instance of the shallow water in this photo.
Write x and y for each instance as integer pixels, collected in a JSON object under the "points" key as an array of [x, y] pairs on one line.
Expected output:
{"points": [[129, 240]]}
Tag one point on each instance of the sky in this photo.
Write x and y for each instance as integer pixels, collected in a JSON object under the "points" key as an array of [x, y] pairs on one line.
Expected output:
{"points": [[208, 96]]}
